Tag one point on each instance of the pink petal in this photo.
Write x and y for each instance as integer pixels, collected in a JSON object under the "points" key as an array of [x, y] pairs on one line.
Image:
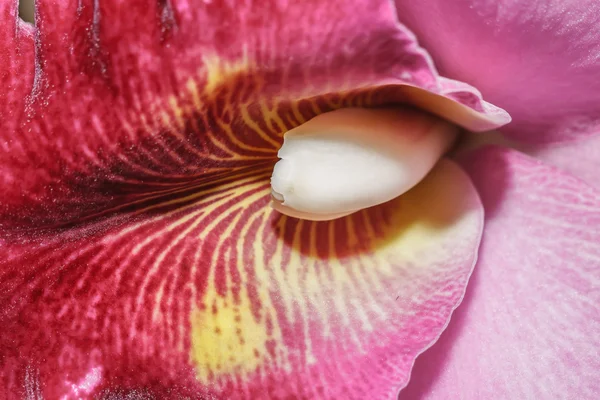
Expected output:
{"points": [[538, 59], [581, 158], [529, 326], [111, 100], [215, 294]]}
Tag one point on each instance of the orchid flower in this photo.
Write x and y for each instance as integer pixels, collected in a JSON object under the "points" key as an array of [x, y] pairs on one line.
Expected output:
{"points": [[144, 253]]}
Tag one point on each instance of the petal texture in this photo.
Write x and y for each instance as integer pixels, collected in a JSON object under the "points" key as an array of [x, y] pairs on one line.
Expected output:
{"points": [[215, 294], [580, 158], [529, 325], [539, 60], [115, 100]]}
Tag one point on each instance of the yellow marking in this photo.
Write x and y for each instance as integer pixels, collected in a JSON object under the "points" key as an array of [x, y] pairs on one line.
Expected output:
{"points": [[280, 278], [293, 271], [192, 87], [254, 126], [261, 282], [230, 340], [229, 132], [213, 139], [218, 346], [167, 123], [333, 104], [166, 119], [315, 107], [371, 279], [229, 90], [204, 193], [297, 114], [216, 184], [264, 279], [237, 191], [359, 281], [351, 232], [207, 210], [158, 261], [370, 231], [315, 282], [219, 72], [156, 314], [177, 112], [340, 278], [270, 116]]}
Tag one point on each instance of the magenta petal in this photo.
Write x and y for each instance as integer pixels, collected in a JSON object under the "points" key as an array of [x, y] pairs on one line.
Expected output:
{"points": [[215, 295], [529, 326], [131, 98], [537, 59]]}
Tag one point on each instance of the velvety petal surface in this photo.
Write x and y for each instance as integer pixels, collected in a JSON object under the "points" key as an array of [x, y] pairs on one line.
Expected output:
{"points": [[529, 326], [138, 254], [212, 293], [106, 102], [580, 158], [539, 60]]}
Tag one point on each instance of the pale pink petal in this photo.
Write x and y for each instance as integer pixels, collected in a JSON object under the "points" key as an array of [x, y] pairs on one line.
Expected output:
{"points": [[538, 59], [529, 326], [581, 158]]}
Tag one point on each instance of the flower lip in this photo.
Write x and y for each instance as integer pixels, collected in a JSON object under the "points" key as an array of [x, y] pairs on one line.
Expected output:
{"points": [[350, 159]]}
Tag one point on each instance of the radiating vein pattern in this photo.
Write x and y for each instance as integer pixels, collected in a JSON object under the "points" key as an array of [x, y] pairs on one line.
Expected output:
{"points": [[100, 111], [236, 299], [138, 255]]}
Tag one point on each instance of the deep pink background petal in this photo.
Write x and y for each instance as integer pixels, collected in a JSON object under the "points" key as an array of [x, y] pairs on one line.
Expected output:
{"points": [[529, 326], [539, 59]]}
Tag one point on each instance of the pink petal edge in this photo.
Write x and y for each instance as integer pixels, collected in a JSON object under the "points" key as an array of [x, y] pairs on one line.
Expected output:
{"points": [[529, 325], [538, 60]]}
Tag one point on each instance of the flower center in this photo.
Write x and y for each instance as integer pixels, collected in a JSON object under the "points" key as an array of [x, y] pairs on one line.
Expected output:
{"points": [[350, 159]]}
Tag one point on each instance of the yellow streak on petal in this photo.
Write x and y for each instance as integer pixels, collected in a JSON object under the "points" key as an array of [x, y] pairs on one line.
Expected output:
{"points": [[344, 292], [226, 337], [256, 128], [220, 346], [299, 117], [334, 104], [177, 112], [409, 237], [229, 132], [219, 72], [315, 292], [315, 107], [272, 118], [192, 87]]}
